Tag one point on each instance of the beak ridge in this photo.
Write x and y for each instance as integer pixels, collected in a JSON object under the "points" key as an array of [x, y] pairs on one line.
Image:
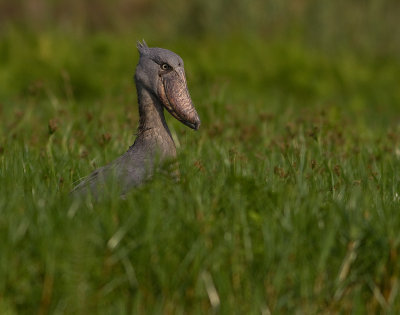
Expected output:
{"points": [[175, 97]]}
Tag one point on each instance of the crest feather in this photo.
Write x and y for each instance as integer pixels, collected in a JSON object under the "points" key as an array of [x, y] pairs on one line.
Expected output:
{"points": [[142, 46]]}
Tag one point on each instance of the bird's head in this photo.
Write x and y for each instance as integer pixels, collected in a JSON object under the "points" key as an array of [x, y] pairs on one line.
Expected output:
{"points": [[162, 73]]}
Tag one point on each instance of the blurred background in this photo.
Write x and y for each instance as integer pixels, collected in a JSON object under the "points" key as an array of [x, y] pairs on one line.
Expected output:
{"points": [[300, 109], [302, 53], [367, 25], [32, 29]]}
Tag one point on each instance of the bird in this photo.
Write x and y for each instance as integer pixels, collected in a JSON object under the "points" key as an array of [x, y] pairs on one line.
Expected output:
{"points": [[160, 81]]}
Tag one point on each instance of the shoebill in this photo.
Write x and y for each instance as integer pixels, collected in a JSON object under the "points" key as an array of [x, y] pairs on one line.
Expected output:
{"points": [[160, 83]]}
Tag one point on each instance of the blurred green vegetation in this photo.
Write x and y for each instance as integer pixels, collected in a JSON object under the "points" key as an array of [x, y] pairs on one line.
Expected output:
{"points": [[289, 195], [369, 26]]}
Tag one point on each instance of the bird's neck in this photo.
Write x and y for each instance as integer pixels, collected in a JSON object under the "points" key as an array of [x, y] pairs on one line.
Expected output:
{"points": [[152, 122]]}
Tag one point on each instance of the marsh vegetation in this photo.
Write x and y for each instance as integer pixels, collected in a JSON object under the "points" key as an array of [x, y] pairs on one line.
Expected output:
{"points": [[289, 195]]}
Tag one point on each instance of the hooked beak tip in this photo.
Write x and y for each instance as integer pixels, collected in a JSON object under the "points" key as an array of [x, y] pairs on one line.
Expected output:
{"points": [[194, 125], [197, 124]]}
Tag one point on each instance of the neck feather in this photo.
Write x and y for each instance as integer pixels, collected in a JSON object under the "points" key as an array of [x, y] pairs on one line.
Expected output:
{"points": [[152, 124], [151, 112]]}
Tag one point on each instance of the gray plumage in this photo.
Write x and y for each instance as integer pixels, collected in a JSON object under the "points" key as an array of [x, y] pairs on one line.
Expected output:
{"points": [[160, 83]]}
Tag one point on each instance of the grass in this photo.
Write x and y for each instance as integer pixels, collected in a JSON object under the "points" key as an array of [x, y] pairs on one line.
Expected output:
{"points": [[289, 193]]}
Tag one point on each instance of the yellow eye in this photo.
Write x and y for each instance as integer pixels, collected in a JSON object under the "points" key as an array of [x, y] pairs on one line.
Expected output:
{"points": [[165, 66]]}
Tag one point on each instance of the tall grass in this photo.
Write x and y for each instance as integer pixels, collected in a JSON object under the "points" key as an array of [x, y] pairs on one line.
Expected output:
{"points": [[289, 193]]}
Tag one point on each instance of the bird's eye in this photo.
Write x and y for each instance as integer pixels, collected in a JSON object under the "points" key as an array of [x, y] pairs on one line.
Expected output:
{"points": [[165, 66]]}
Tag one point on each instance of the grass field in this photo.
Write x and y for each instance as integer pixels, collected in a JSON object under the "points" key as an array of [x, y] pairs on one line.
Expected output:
{"points": [[289, 196]]}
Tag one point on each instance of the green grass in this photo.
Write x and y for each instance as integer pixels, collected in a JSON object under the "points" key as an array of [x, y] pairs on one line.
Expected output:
{"points": [[289, 195]]}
